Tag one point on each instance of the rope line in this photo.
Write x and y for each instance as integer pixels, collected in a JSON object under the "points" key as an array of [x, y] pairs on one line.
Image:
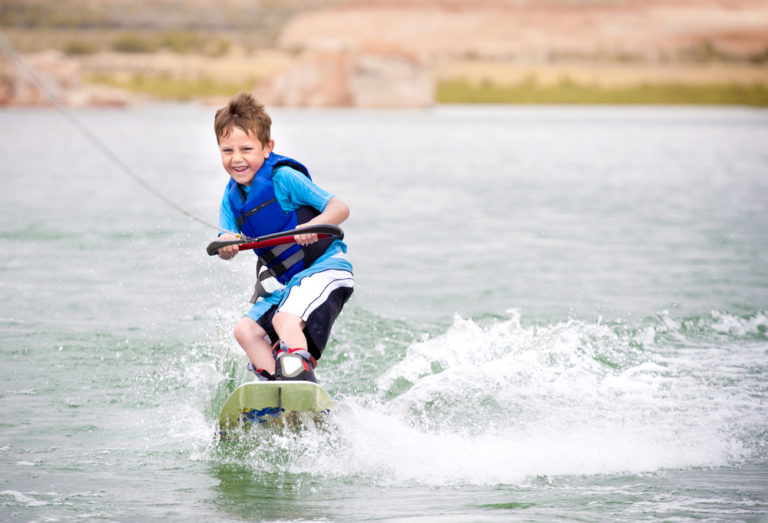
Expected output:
{"points": [[54, 98]]}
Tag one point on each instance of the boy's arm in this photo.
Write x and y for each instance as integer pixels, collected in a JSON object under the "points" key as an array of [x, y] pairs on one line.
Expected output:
{"points": [[293, 189], [227, 222]]}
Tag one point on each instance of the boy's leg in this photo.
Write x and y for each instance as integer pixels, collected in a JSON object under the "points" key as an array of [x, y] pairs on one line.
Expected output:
{"points": [[251, 337], [290, 329], [293, 361], [303, 322]]}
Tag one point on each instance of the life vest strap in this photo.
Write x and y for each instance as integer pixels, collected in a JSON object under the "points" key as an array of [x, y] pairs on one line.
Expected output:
{"points": [[274, 271], [282, 266], [269, 257]]}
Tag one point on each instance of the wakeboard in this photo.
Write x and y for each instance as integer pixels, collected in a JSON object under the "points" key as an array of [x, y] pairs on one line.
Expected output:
{"points": [[270, 403]]}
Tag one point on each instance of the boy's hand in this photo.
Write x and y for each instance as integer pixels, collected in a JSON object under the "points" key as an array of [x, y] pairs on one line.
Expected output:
{"points": [[228, 252], [335, 212], [305, 239]]}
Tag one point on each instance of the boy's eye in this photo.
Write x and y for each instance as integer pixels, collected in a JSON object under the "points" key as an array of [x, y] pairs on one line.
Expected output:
{"points": [[226, 150], [247, 149]]}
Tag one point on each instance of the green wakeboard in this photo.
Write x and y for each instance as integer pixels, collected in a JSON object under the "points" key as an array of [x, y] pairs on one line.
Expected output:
{"points": [[281, 403]]}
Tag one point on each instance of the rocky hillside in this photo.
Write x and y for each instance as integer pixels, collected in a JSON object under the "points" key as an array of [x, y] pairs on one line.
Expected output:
{"points": [[400, 47]]}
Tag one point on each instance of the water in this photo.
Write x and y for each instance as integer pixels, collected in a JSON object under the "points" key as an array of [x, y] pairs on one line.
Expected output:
{"points": [[561, 313]]}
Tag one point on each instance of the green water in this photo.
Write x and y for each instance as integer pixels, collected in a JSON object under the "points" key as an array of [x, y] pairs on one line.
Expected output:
{"points": [[560, 313]]}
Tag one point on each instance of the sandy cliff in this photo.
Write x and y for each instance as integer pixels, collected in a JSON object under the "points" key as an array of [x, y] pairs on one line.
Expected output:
{"points": [[535, 30]]}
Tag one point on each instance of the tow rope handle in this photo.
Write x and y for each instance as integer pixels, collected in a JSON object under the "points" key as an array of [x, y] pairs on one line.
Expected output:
{"points": [[323, 232]]}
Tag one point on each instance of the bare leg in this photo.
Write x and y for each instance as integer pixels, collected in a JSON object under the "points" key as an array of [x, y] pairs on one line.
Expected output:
{"points": [[251, 338], [289, 328]]}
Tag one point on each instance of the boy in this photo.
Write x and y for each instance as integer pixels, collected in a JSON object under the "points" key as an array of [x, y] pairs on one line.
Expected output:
{"points": [[301, 288]]}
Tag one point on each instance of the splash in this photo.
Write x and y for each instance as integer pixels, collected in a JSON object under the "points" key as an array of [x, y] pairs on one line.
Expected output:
{"points": [[504, 403]]}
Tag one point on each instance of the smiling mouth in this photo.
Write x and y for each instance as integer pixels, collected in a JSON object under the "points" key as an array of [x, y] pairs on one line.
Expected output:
{"points": [[240, 169]]}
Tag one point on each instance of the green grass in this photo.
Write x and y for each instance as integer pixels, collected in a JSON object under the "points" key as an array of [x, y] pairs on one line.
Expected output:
{"points": [[167, 88], [80, 47], [178, 41], [567, 92]]}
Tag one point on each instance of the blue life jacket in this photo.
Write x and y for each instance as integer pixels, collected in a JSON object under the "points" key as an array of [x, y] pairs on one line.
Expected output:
{"points": [[258, 213]]}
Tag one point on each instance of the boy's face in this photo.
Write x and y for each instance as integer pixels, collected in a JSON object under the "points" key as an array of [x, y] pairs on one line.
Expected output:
{"points": [[242, 154]]}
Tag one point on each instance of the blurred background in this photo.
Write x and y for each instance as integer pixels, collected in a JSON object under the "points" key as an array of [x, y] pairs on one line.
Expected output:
{"points": [[390, 53]]}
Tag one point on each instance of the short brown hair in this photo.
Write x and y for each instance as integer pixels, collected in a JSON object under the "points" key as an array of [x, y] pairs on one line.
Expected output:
{"points": [[245, 112]]}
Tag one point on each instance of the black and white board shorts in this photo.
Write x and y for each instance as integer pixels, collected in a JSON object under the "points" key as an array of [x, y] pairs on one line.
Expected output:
{"points": [[317, 299]]}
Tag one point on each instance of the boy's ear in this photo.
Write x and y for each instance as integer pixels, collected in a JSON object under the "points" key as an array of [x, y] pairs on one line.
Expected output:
{"points": [[268, 148]]}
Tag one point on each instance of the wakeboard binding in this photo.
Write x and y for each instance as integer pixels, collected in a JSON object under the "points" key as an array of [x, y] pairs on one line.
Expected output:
{"points": [[293, 364], [290, 365]]}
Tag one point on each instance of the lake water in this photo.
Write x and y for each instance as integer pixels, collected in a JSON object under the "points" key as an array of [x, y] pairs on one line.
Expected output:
{"points": [[560, 313]]}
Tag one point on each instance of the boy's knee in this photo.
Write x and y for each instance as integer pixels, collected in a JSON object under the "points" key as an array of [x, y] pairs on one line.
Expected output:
{"points": [[246, 328]]}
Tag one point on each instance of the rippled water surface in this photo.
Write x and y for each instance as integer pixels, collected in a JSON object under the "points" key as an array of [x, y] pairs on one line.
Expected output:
{"points": [[559, 313]]}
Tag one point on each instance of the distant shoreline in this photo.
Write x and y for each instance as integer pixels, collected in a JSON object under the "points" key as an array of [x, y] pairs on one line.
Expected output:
{"points": [[570, 93], [122, 79]]}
